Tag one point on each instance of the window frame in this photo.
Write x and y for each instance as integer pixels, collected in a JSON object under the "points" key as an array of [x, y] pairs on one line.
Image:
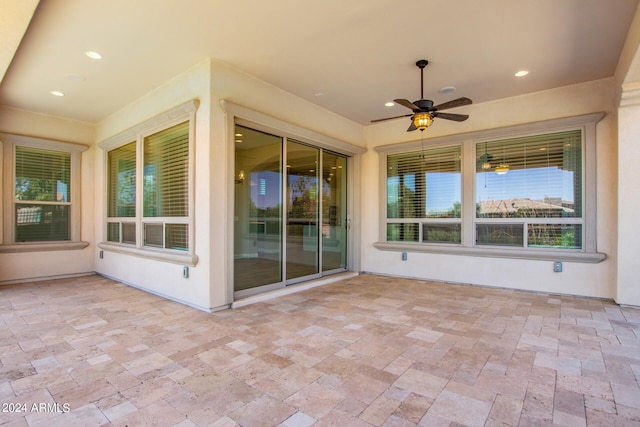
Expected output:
{"points": [[183, 113], [426, 221], [8, 148], [588, 253]]}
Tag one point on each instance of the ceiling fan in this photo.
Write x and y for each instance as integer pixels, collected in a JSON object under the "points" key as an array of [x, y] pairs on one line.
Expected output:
{"points": [[423, 109]]}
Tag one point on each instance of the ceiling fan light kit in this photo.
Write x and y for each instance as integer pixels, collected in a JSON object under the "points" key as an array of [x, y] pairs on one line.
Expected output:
{"points": [[424, 112]]}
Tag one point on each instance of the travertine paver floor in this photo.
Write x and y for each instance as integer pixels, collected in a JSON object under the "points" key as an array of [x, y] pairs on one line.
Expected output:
{"points": [[369, 350]]}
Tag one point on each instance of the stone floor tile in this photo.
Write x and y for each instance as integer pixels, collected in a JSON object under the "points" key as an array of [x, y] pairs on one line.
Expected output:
{"points": [[422, 383], [379, 410], [299, 419], [370, 350], [505, 411], [159, 413], [459, 408], [262, 411]]}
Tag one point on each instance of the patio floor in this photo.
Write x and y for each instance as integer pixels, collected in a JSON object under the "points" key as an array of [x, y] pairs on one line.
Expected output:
{"points": [[369, 350]]}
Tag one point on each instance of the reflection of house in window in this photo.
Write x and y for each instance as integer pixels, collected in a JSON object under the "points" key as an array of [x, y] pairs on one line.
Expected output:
{"points": [[522, 207]]}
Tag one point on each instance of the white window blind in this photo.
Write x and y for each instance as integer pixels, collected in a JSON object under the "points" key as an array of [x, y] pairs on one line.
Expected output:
{"points": [[166, 173], [529, 191], [425, 185], [42, 194], [121, 185], [121, 190], [165, 191]]}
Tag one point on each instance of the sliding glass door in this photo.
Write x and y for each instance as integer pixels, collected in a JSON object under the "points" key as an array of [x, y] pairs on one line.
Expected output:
{"points": [[290, 212], [334, 212], [258, 250], [303, 211]]}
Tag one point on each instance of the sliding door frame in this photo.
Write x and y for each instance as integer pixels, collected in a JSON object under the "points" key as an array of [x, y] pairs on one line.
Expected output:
{"points": [[237, 114]]}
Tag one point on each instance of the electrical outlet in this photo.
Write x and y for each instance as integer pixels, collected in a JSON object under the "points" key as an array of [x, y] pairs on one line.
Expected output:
{"points": [[557, 266], [185, 272], [101, 254], [404, 256]]}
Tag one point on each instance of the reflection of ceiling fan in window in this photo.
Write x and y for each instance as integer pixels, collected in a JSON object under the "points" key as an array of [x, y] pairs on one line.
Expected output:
{"points": [[423, 109]]}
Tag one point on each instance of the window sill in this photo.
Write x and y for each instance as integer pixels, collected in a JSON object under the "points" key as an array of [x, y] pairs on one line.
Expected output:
{"points": [[513, 253], [176, 258], [43, 247]]}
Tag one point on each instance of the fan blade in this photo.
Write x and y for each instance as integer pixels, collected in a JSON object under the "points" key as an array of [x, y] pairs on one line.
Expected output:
{"points": [[451, 116], [453, 104], [407, 103], [412, 127], [390, 118]]}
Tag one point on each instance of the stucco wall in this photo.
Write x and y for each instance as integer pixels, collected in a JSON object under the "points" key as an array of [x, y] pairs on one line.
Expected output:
{"points": [[163, 278], [25, 266], [596, 280], [208, 286]]}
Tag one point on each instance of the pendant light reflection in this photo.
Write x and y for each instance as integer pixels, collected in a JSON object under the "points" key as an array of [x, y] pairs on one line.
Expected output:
{"points": [[241, 177], [502, 169]]}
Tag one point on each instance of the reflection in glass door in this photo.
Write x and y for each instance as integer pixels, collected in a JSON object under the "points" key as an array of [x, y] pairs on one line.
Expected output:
{"points": [[334, 212], [303, 211], [258, 210], [290, 218]]}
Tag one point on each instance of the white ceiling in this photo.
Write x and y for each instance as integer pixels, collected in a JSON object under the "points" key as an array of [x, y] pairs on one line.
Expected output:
{"points": [[358, 54]]}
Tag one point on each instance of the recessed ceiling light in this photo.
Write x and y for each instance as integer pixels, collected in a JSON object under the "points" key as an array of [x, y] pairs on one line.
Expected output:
{"points": [[522, 73], [93, 55], [56, 93], [238, 135], [447, 89], [389, 104], [319, 94]]}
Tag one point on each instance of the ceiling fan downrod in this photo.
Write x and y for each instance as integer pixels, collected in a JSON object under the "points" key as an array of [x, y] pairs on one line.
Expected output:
{"points": [[421, 64]]}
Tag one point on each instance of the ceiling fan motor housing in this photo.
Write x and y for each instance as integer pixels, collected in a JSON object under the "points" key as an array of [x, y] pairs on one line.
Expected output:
{"points": [[424, 104]]}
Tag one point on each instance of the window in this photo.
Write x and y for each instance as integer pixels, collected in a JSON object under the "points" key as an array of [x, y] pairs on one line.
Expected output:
{"points": [[526, 191], [529, 191], [165, 191], [41, 194], [41, 191], [424, 194], [149, 186], [121, 190]]}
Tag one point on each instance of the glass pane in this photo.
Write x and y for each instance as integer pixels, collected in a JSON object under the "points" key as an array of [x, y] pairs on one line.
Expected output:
{"points": [[441, 233], [41, 223], [129, 232], [42, 175], [153, 235], [334, 211], [166, 173], [302, 210], [113, 232], [565, 236], [258, 209], [500, 234], [531, 177], [121, 181], [176, 236], [425, 184], [403, 232]]}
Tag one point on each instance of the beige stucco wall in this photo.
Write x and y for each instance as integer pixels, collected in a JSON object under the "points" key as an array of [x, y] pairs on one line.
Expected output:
{"points": [[577, 278], [25, 266], [208, 286], [163, 278], [627, 235]]}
